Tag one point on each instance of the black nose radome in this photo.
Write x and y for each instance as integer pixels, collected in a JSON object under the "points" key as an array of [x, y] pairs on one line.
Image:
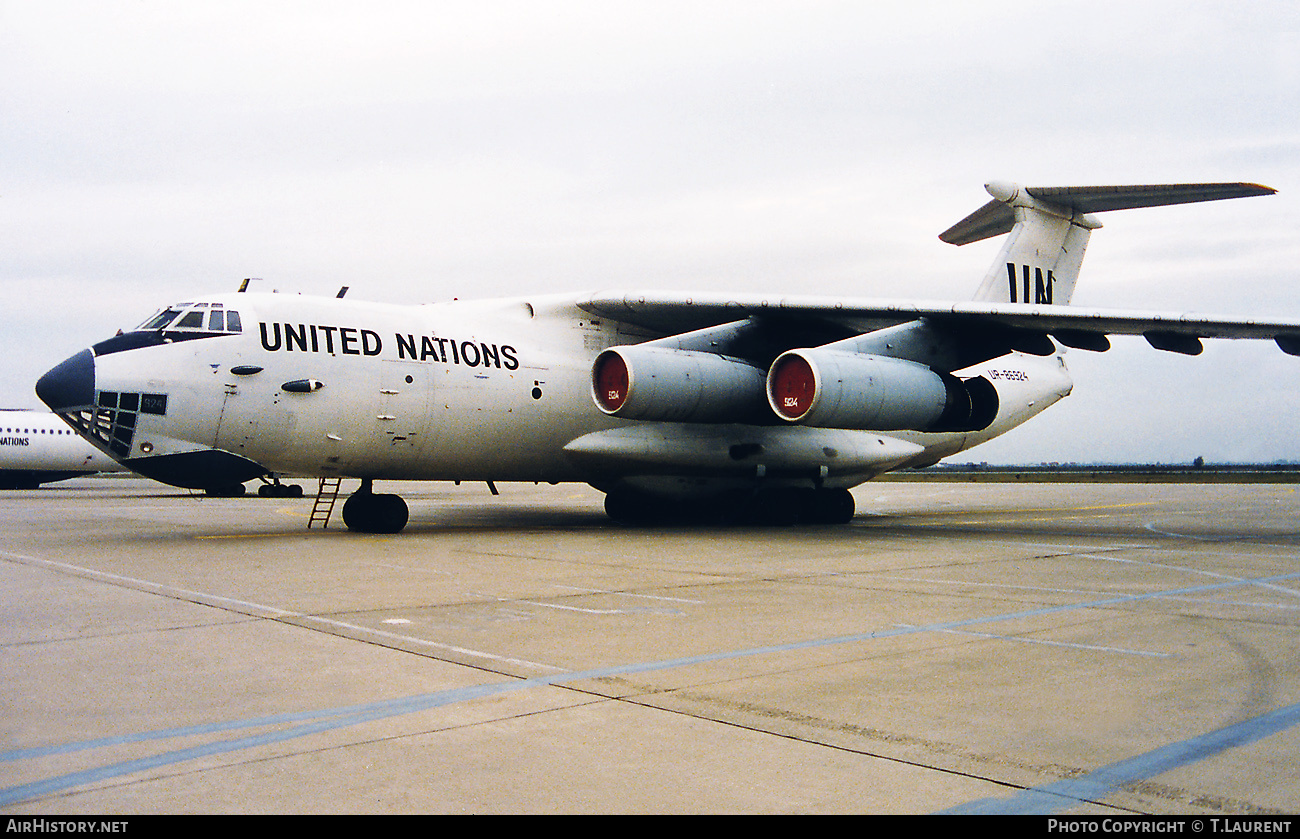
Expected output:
{"points": [[70, 385]]}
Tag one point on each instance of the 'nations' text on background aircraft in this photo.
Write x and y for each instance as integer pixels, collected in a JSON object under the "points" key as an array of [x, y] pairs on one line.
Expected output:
{"points": [[37, 447]]}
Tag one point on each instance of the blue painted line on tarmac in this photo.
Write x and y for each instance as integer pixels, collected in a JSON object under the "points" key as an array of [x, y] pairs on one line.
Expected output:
{"points": [[1100, 783], [330, 719], [169, 733], [378, 710]]}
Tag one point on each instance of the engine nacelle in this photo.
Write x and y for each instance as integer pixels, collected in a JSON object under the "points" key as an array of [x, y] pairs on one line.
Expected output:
{"points": [[664, 385], [834, 389]]}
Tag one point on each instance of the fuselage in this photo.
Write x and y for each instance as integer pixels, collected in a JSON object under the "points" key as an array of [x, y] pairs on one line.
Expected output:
{"points": [[483, 390]]}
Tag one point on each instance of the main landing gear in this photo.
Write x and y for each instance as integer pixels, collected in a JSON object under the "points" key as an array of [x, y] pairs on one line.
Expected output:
{"points": [[269, 489], [780, 507], [274, 489], [367, 511]]}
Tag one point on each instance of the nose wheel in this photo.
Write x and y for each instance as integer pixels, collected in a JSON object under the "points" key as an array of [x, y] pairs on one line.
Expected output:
{"points": [[367, 511]]}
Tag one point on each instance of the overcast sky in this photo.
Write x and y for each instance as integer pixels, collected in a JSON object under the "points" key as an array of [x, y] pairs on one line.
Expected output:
{"points": [[153, 151]]}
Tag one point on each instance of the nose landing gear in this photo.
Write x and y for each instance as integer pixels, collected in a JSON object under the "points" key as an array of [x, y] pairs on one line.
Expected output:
{"points": [[367, 511]]}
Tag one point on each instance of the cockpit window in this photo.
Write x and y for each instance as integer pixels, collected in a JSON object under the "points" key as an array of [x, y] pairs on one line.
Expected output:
{"points": [[212, 317], [160, 320], [178, 322]]}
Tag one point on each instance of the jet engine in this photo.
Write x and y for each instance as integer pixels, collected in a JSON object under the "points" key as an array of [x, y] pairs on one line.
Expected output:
{"points": [[835, 389], [665, 385]]}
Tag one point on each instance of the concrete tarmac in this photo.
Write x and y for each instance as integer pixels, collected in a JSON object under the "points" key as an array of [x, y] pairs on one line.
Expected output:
{"points": [[1045, 648]]}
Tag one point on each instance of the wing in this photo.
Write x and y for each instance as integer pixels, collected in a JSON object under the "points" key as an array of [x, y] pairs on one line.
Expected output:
{"points": [[669, 313]]}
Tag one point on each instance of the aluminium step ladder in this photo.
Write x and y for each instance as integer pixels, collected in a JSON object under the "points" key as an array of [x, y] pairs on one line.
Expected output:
{"points": [[326, 494]]}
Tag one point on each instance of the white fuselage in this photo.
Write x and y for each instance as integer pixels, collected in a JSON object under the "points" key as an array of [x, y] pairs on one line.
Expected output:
{"points": [[484, 390], [37, 446]]}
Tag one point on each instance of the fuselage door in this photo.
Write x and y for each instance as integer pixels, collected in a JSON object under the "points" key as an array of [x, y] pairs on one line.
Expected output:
{"points": [[401, 416]]}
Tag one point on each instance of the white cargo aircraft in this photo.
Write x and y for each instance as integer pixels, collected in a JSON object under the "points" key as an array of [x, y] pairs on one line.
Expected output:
{"points": [[701, 405], [37, 447]]}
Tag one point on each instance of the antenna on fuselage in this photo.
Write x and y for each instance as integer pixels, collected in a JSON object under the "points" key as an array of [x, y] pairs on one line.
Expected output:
{"points": [[342, 291]]}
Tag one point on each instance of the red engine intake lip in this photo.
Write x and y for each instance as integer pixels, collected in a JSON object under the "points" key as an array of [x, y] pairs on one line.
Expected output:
{"points": [[609, 382], [792, 387]]}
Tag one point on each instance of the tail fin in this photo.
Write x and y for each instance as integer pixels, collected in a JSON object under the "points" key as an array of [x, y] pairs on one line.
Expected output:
{"points": [[1049, 227]]}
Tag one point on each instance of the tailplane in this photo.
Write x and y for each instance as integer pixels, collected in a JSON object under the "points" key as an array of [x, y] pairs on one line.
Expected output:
{"points": [[1049, 228]]}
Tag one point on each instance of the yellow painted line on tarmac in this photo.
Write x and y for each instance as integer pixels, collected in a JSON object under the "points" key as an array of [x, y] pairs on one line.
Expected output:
{"points": [[292, 512], [1025, 515], [1036, 509]]}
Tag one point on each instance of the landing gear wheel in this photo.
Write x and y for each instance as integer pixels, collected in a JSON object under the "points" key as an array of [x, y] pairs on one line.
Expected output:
{"points": [[832, 506], [638, 509], [628, 508], [368, 512], [785, 507], [771, 507], [279, 490], [731, 509], [780, 507]]}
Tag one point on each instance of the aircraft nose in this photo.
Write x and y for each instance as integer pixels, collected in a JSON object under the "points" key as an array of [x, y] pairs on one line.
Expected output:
{"points": [[70, 385]]}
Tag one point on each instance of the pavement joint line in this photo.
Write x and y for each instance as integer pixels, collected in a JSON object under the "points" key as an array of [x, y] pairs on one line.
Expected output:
{"points": [[1102, 782], [290, 618]]}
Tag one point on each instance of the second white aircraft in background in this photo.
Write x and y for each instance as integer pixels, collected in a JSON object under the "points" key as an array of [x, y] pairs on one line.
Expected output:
{"points": [[37, 447]]}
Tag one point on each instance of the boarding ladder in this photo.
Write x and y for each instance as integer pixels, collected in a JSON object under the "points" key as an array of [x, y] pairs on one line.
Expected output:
{"points": [[326, 494]]}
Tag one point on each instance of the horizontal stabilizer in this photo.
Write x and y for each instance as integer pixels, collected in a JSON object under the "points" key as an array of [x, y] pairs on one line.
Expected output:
{"points": [[998, 216]]}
